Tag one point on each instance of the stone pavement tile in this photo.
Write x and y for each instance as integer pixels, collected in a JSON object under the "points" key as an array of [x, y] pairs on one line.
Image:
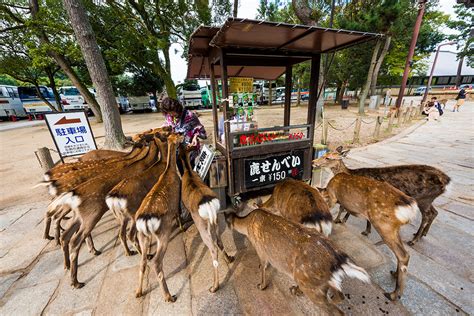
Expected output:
{"points": [[456, 221], [452, 287], [48, 268], [6, 282], [418, 298], [362, 157], [92, 271], [200, 270], [460, 208], [28, 301], [464, 193], [177, 279]]}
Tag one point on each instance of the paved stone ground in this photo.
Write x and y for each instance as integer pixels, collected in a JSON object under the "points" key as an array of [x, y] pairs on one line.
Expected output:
{"points": [[440, 280]]}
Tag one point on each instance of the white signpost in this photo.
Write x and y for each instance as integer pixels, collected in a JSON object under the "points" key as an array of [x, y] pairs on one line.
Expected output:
{"points": [[71, 132], [203, 161]]}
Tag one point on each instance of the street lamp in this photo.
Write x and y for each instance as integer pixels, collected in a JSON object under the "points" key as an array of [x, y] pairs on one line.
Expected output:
{"points": [[432, 70]]}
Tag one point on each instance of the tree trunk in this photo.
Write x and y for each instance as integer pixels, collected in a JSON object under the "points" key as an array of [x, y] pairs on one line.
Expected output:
{"points": [[114, 137], [236, 7], [373, 84], [320, 101], [52, 85], [38, 91], [66, 67], [458, 74], [298, 93], [365, 89]]}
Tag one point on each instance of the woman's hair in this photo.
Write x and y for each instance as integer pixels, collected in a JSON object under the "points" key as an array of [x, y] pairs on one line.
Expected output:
{"points": [[171, 105]]}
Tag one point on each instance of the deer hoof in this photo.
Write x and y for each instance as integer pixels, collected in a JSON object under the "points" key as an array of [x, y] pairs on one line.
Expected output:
{"points": [[213, 289], [365, 233], [130, 253], [392, 296], [261, 287], [48, 237], [78, 285], [96, 252], [394, 274], [230, 259], [337, 221], [411, 243], [295, 290], [149, 257], [170, 298], [138, 294]]}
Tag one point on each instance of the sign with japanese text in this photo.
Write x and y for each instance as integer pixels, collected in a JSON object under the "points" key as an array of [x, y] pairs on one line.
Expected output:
{"points": [[203, 161], [237, 84], [71, 133], [264, 171]]}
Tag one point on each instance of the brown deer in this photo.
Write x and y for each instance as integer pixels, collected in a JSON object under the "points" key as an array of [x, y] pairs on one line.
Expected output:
{"points": [[203, 205], [57, 188], [88, 204], [421, 182], [156, 215], [384, 206], [301, 204], [125, 198], [307, 257], [99, 154]]}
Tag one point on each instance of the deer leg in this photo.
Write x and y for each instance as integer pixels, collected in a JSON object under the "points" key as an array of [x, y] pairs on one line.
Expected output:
{"points": [[47, 222], [144, 246], [338, 217], [394, 242], [433, 215], [57, 217], [161, 245], [65, 238], [425, 219], [123, 235], [76, 243], [228, 259], [263, 280], [295, 290], [90, 245], [368, 229], [132, 236], [319, 297]]}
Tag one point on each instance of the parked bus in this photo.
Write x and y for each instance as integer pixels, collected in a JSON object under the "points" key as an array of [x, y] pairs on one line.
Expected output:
{"points": [[191, 98], [32, 102], [10, 103]]}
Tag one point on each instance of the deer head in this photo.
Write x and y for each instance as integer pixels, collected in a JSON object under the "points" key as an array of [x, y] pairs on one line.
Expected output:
{"points": [[332, 160]]}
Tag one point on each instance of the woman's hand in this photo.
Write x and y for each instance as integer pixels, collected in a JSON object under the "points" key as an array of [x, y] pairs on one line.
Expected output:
{"points": [[195, 141]]}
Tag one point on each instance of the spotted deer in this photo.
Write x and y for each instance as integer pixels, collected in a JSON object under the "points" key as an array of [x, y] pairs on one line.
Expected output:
{"points": [[421, 182], [99, 154], [305, 256], [155, 217], [384, 206], [87, 201], [203, 205], [301, 204], [125, 198]]}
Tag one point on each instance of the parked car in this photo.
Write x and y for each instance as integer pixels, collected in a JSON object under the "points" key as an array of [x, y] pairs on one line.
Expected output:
{"points": [[72, 100], [10, 102]]}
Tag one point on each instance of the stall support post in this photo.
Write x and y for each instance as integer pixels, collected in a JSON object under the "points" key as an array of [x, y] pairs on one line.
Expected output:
{"points": [[215, 108], [288, 84], [270, 93], [357, 130], [313, 93], [324, 136]]}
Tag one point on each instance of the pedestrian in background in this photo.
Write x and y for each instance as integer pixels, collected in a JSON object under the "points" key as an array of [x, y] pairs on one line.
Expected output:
{"points": [[461, 97]]}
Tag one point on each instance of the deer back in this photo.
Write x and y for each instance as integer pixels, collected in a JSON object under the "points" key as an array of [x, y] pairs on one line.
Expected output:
{"points": [[99, 154]]}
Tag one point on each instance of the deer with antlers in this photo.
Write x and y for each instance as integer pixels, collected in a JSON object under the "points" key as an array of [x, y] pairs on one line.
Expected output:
{"points": [[156, 215], [421, 182], [301, 204]]}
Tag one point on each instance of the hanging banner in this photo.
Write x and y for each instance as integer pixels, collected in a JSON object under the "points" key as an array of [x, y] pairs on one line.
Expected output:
{"points": [[71, 132], [240, 85]]}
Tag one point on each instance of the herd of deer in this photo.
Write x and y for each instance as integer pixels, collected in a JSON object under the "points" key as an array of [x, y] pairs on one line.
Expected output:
{"points": [[145, 189]]}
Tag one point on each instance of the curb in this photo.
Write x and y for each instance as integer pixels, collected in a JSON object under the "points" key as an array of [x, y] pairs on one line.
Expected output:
{"points": [[393, 138]]}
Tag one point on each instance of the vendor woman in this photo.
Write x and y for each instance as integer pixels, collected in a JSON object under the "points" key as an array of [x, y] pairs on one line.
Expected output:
{"points": [[183, 121]]}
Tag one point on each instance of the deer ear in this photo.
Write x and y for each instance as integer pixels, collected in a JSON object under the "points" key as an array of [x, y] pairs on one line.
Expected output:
{"points": [[160, 136], [344, 153], [339, 149]]}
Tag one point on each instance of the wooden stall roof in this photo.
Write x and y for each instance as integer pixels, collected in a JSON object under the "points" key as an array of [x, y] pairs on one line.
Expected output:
{"points": [[261, 49]]}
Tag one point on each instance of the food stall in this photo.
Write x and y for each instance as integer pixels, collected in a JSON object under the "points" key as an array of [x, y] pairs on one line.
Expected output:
{"points": [[238, 52]]}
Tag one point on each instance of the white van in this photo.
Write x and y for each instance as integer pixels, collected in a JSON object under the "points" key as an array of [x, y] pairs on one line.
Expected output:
{"points": [[72, 100], [10, 102]]}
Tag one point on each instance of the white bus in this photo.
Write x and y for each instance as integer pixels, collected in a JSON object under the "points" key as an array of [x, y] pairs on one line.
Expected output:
{"points": [[33, 103], [10, 102], [72, 100]]}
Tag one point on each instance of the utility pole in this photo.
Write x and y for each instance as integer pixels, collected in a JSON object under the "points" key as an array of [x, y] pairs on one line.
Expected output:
{"points": [[411, 51], [432, 70]]}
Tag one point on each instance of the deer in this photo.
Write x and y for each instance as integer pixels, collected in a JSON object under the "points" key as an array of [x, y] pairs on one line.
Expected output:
{"points": [[125, 198], [384, 206], [87, 201], [421, 182], [203, 205], [300, 203], [56, 210], [307, 257], [99, 154], [155, 218]]}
